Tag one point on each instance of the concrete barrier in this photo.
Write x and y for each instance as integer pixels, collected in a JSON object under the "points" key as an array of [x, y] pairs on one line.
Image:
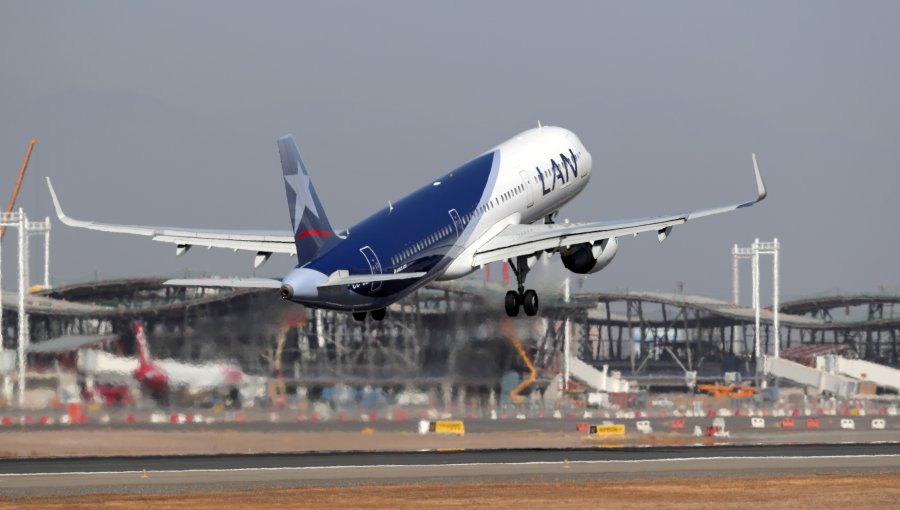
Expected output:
{"points": [[757, 422], [848, 423], [878, 423], [714, 431]]}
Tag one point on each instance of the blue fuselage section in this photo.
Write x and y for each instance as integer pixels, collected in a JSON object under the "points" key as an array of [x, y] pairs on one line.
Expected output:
{"points": [[417, 234]]}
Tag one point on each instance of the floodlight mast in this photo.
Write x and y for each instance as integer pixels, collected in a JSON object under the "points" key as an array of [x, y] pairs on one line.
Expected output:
{"points": [[23, 317], [753, 252], [25, 229]]}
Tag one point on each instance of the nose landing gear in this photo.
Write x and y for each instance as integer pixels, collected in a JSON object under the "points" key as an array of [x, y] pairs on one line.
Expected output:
{"points": [[526, 299]]}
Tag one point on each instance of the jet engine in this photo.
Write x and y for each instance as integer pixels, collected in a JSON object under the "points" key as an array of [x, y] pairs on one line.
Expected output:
{"points": [[586, 258]]}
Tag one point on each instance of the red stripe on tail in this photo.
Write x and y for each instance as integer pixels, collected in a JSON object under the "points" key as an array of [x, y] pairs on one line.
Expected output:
{"points": [[313, 233]]}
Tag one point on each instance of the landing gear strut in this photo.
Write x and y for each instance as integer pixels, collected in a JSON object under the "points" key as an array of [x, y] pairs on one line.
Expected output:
{"points": [[527, 299]]}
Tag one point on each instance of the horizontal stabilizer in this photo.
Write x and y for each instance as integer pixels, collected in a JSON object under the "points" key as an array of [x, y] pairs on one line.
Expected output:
{"points": [[244, 283], [342, 278]]}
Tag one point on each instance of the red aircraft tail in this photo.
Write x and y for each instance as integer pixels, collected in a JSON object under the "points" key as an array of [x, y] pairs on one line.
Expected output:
{"points": [[143, 350]]}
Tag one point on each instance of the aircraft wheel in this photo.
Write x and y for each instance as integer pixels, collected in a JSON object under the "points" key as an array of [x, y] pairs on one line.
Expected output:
{"points": [[512, 303], [530, 303], [360, 316], [378, 314]]}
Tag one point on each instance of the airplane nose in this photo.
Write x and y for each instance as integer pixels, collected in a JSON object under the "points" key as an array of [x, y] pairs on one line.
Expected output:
{"points": [[302, 283], [588, 162]]}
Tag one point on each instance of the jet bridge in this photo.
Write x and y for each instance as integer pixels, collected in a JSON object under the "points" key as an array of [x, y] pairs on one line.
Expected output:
{"points": [[819, 379], [597, 380], [884, 376]]}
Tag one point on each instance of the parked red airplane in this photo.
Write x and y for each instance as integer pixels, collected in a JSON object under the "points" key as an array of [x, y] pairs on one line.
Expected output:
{"points": [[163, 377]]}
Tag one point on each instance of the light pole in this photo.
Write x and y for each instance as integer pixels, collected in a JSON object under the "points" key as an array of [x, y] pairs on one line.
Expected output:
{"points": [[23, 318], [753, 252], [567, 338]]}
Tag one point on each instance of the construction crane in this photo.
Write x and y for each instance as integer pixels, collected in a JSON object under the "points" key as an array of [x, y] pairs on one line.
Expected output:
{"points": [[15, 194], [509, 331], [278, 389]]}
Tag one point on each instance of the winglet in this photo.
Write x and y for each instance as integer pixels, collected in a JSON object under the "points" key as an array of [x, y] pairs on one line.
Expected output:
{"points": [[59, 212], [760, 185]]}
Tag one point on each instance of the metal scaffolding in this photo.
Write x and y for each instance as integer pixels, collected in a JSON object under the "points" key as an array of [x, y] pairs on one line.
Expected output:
{"points": [[448, 335]]}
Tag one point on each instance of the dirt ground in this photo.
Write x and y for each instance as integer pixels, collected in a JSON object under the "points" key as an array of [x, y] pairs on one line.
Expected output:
{"points": [[149, 442], [789, 492]]}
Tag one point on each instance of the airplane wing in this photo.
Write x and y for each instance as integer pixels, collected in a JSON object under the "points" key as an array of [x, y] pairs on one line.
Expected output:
{"points": [[524, 240], [264, 243], [244, 283]]}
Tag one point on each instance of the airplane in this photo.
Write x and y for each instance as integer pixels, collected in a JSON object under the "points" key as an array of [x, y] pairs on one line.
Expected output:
{"points": [[500, 206], [160, 378]]}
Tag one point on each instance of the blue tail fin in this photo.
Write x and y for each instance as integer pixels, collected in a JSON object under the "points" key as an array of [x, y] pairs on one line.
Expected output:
{"points": [[312, 231]]}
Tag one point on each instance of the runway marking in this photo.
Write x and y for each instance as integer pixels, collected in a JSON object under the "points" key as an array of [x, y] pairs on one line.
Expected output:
{"points": [[462, 464]]}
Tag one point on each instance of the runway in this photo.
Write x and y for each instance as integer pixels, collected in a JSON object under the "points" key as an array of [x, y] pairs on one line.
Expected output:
{"points": [[62, 476]]}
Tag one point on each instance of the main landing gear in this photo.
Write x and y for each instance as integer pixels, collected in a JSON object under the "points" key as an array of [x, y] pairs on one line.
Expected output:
{"points": [[376, 315], [526, 299]]}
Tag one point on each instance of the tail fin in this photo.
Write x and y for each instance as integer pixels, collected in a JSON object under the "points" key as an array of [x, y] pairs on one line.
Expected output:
{"points": [[143, 350], [312, 231]]}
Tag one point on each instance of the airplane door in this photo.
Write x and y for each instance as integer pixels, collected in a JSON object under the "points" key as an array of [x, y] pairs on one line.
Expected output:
{"points": [[528, 193], [457, 221], [374, 265]]}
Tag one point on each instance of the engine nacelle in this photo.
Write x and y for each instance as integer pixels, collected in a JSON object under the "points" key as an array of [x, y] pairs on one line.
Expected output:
{"points": [[588, 259]]}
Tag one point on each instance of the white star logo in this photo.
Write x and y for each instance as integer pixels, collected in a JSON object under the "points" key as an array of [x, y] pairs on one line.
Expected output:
{"points": [[303, 191]]}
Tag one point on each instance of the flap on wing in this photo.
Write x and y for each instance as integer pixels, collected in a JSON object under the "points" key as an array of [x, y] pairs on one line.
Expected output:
{"points": [[342, 277], [196, 239], [246, 283], [516, 240]]}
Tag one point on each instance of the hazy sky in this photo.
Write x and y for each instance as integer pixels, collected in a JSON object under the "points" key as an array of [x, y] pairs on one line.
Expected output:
{"points": [[166, 113]]}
